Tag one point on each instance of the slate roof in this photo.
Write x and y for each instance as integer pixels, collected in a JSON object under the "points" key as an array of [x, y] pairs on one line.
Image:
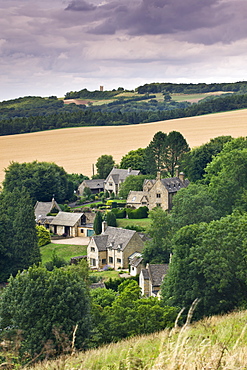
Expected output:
{"points": [[113, 237], [94, 184], [174, 184], [136, 197], [136, 261], [119, 175], [145, 274], [66, 219], [157, 272], [41, 209]]}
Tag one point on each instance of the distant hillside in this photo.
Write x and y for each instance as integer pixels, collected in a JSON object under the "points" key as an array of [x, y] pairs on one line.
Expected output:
{"points": [[214, 343], [149, 103]]}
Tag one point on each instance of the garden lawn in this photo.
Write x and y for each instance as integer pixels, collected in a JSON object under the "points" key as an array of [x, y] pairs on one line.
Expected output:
{"points": [[124, 222], [106, 275], [65, 251]]}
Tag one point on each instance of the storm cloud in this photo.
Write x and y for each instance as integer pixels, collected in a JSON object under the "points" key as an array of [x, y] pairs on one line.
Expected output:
{"points": [[49, 48]]}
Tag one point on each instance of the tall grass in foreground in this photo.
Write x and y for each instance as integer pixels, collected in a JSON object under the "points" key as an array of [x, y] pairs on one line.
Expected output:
{"points": [[215, 343]]}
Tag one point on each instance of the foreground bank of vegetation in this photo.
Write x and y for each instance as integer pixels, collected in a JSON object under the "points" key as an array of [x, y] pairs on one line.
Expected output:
{"points": [[214, 343]]}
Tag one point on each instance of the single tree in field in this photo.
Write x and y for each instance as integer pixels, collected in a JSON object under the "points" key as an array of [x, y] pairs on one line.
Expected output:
{"points": [[104, 165]]}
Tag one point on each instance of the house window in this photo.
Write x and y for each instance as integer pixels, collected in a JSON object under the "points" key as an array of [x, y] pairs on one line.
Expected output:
{"points": [[104, 261], [158, 195], [92, 249], [119, 260], [110, 183], [133, 268], [158, 204], [92, 262], [144, 202], [110, 260]]}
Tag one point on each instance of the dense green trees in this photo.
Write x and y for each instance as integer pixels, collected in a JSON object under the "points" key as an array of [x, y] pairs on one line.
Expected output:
{"points": [[97, 224], [158, 248], [135, 159], [46, 307], [118, 316], [42, 180], [155, 154], [18, 237], [227, 176], [132, 182], [209, 262], [195, 161], [176, 148], [193, 205], [111, 219], [165, 152], [104, 165], [30, 114]]}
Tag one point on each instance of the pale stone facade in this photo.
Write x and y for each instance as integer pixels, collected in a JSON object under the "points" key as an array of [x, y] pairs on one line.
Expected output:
{"points": [[72, 224], [151, 278], [113, 248], [158, 192], [116, 177]]}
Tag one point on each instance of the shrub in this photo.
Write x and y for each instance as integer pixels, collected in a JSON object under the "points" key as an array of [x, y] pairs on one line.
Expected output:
{"points": [[119, 213], [44, 236]]}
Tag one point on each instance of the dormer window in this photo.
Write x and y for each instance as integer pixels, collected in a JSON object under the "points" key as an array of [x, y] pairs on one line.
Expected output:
{"points": [[158, 195]]}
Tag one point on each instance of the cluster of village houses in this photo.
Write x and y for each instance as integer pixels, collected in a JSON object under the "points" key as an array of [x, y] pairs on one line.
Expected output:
{"points": [[115, 247]]}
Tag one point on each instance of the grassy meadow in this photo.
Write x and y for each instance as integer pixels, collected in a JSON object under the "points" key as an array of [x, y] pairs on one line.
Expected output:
{"points": [[215, 343], [65, 251], [77, 149]]}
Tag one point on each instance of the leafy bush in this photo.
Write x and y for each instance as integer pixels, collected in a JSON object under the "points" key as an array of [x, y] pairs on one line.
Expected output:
{"points": [[141, 212], [119, 212], [44, 236], [46, 307]]}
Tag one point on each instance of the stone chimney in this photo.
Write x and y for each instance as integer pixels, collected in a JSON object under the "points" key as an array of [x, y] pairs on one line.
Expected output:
{"points": [[104, 226], [181, 176], [176, 171], [158, 176], [129, 169]]}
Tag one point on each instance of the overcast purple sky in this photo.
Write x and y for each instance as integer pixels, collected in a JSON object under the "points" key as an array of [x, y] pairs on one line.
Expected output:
{"points": [[50, 47]]}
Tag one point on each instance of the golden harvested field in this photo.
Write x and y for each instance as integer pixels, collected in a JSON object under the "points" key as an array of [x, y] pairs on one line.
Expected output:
{"points": [[77, 149]]}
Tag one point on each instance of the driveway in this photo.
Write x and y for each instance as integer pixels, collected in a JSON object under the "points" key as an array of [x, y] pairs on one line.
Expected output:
{"points": [[79, 240]]}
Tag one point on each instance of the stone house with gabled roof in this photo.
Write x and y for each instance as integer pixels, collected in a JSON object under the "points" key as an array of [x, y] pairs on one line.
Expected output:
{"points": [[151, 278], [137, 199], [71, 224], [113, 247], [95, 185], [42, 210], [116, 177], [158, 192]]}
